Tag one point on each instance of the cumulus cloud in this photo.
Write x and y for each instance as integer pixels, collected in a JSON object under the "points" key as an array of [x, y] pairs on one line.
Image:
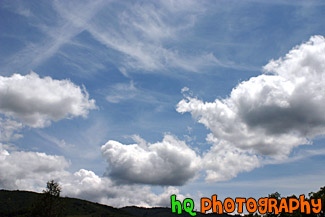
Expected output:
{"points": [[267, 115], [170, 162], [224, 161], [31, 170], [87, 185], [37, 101], [28, 170]]}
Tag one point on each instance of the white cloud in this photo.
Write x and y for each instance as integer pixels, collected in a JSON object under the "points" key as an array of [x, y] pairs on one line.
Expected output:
{"points": [[224, 161], [87, 185], [37, 101], [170, 162], [267, 115], [31, 170], [9, 130]]}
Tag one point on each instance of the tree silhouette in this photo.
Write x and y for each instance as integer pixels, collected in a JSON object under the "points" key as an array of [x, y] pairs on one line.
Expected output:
{"points": [[52, 189], [320, 194], [49, 205]]}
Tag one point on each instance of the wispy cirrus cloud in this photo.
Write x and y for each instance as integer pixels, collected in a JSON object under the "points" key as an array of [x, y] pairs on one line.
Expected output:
{"points": [[147, 36], [54, 36], [291, 3], [131, 91], [143, 37], [122, 91]]}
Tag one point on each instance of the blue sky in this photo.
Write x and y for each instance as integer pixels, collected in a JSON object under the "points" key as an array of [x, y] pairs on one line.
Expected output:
{"points": [[127, 102]]}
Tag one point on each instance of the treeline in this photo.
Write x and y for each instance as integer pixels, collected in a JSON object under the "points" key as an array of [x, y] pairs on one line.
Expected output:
{"points": [[50, 204], [310, 199]]}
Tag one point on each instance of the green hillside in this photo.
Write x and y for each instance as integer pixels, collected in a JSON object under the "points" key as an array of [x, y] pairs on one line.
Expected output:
{"points": [[20, 204]]}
